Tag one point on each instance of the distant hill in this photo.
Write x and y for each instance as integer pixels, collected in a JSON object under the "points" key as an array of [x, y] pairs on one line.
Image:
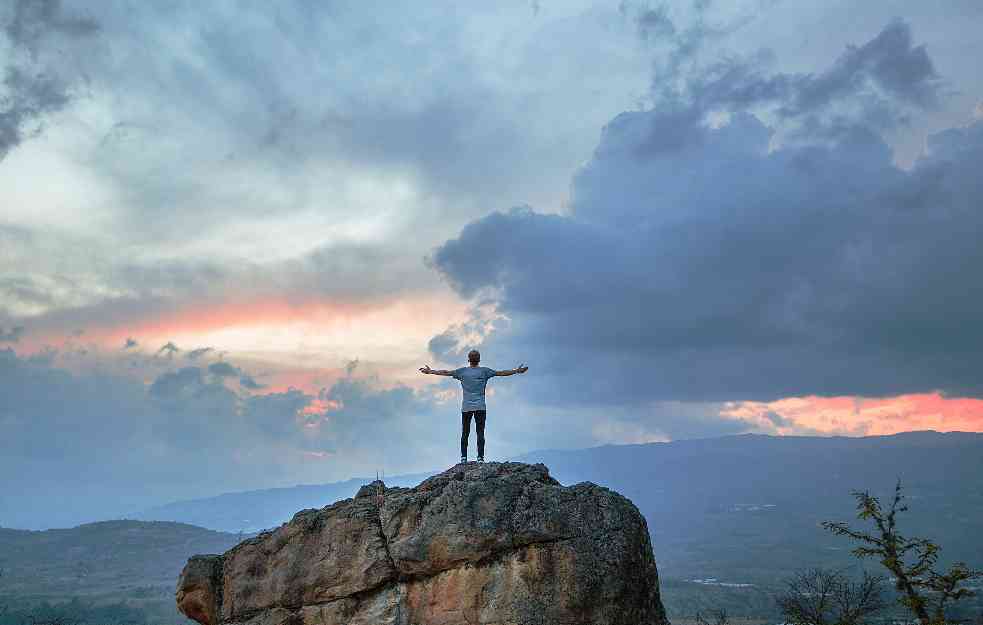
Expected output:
{"points": [[256, 510], [738, 508], [747, 508], [726, 512], [103, 562]]}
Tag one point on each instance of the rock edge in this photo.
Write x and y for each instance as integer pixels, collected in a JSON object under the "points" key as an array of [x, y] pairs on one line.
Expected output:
{"points": [[490, 543]]}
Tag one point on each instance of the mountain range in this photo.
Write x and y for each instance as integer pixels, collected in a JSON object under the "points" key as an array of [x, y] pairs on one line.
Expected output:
{"points": [[730, 518], [742, 509]]}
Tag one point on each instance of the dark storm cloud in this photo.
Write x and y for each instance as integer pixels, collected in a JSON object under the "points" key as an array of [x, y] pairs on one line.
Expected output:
{"points": [[699, 264], [28, 98], [30, 20], [890, 60], [871, 83], [33, 85]]}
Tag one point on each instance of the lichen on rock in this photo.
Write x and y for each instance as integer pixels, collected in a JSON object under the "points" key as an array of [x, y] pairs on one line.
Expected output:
{"points": [[491, 543]]}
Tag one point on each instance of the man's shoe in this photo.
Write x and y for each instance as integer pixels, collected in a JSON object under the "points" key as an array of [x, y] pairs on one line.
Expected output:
{"points": [[480, 459], [464, 459]]}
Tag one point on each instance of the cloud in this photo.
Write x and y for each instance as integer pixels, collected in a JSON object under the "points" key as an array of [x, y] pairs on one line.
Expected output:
{"points": [[374, 422], [197, 353], [32, 20], [455, 342], [351, 366], [223, 370], [652, 22], [98, 445], [33, 82], [303, 134], [706, 262], [12, 335], [170, 348], [176, 385], [132, 296], [874, 84], [889, 66], [744, 236], [855, 416], [307, 194], [248, 382]]}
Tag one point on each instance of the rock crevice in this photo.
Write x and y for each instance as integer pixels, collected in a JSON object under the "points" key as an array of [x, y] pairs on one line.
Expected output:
{"points": [[493, 543]]}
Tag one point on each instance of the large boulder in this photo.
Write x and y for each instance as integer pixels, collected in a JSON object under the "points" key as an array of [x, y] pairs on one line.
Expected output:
{"points": [[493, 543]]}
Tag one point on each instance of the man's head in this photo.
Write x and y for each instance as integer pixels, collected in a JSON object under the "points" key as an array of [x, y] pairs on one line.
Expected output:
{"points": [[474, 357]]}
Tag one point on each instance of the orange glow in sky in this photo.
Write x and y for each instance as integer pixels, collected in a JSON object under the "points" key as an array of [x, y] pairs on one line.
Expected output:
{"points": [[311, 334], [307, 344], [863, 416]]}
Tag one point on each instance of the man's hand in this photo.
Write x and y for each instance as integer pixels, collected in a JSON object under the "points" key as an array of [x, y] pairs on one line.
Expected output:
{"points": [[427, 369], [521, 369]]}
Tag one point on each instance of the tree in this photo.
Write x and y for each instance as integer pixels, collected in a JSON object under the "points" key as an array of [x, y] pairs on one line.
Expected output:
{"points": [[825, 597], [717, 617], [924, 591]]}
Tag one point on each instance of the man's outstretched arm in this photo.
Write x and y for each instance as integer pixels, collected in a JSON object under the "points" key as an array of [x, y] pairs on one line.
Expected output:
{"points": [[519, 369], [427, 369]]}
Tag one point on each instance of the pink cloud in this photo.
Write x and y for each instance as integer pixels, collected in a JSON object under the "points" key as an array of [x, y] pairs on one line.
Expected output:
{"points": [[860, 416]]}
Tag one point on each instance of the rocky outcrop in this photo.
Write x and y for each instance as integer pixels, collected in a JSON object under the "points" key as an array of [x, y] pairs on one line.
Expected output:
{"points": [[494, 543]]}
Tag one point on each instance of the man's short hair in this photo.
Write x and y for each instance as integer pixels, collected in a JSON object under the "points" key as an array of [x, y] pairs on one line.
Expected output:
{"points": [[474, 355]]}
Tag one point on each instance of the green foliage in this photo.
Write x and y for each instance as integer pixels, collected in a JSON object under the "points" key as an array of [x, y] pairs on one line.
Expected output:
{"points": [[923, 590]]}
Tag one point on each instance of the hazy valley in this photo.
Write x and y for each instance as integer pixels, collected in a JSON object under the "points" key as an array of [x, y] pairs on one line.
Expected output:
{"points": [[730, 518]]}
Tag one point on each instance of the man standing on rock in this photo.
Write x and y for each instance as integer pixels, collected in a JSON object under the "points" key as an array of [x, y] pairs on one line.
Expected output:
{"points": [[473, 379]]}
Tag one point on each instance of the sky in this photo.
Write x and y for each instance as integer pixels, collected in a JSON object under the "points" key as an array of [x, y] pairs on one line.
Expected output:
{"points": [[231, 233]]}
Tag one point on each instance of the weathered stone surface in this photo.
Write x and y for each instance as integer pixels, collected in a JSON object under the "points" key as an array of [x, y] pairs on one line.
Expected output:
{"points": [[199, 589], [493, 543], [319, 556]]}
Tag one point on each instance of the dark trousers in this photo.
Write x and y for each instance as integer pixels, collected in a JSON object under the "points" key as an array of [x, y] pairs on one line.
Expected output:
{"points": [[479, 421]]}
